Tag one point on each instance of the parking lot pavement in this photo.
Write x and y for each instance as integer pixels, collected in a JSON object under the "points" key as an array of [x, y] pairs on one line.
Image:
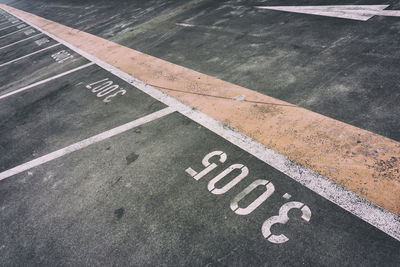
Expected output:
{"points": [[129, 201], [97, 171]]}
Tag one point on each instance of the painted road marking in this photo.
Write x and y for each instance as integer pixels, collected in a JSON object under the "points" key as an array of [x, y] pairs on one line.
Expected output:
{"points": [[334, 149], [282, 218], [11, 26], [87, 142], [11, 33], [355, 12], [33, 53], [6, 22], [45, 80], [17, 42], [346, 199]]}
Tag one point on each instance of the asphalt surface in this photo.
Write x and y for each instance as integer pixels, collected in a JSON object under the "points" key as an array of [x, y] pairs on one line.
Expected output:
{"points": [[128, 200], [340, 68]]}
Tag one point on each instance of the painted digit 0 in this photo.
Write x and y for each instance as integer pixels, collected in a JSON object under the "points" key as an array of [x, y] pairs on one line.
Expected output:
{"points": [[209, 166], [102, 86], [251, 207], [283, 218], [107, 90], [89, 86], [108, 98], [218, 191]]}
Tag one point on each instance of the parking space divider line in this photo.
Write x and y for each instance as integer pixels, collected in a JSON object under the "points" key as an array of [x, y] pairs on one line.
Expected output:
{"points": [[86, 142], [5, 22], [33, 53], [45, 80], [17, 42], [11, 33], [11, 26]]}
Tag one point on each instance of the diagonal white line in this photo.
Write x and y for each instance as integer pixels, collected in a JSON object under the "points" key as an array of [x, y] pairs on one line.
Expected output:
{"points": [[87, 142], [45, 80], [41, 50], [12, 26], [11, 33], [6, 22], [17, 42]]}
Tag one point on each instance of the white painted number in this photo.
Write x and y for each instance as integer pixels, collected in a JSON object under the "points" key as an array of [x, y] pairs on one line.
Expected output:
{"points": [[209, 166], [244, 171], [62, 56], [282, 218], [42, 41], [29, 32], [270, 188], [104, 88]]}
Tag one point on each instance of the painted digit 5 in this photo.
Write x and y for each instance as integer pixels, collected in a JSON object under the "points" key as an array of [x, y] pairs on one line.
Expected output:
{"points": [[283, 218], [209, 166]]}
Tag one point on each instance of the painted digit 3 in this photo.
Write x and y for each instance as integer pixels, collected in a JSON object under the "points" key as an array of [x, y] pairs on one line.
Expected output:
{"points": [[283, 218]]}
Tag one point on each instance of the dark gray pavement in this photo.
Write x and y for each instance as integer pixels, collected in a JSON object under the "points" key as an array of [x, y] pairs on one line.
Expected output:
{"points": [[127, 201]]}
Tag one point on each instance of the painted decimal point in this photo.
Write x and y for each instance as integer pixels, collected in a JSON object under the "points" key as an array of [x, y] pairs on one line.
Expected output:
{"points": [[270, 188], [283, 218], [206, 163], [218, 191]]}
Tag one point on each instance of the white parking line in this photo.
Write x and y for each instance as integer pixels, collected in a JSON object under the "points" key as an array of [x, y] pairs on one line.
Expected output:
{"points": [[87, 142], [12, 26], [346, 199], [11, 33], [41, 50], [17, 42], [6, 22], [45, 80]]}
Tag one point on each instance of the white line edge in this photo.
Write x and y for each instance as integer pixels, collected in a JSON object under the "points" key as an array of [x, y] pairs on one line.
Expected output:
{"points": [[20, 41], [45, 80], [86, 142], [11, 33], [33, 53]]}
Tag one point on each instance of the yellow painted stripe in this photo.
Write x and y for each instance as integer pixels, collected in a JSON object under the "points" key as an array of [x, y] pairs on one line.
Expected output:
{"points": [[361, 161]]}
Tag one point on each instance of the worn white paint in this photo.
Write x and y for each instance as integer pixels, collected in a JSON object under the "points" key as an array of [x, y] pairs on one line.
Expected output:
{"points": [[45, 80], [206, 163], [30, 54], [20, 41], [20, 26], [5, 28], [62, 56], [3, 23], [287, 196], [184, 24], [85, 143], [105, 89], [29, 32], [244, 171], [283, 218], [11, 33], [355, 12], [270, 189], [346, 199]]}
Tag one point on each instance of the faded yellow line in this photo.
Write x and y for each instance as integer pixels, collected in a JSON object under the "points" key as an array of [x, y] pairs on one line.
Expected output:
{"points": [[361, 161]]}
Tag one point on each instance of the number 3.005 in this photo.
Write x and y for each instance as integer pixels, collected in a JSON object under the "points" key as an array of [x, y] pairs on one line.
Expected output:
{"points": [[281, 218]]}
